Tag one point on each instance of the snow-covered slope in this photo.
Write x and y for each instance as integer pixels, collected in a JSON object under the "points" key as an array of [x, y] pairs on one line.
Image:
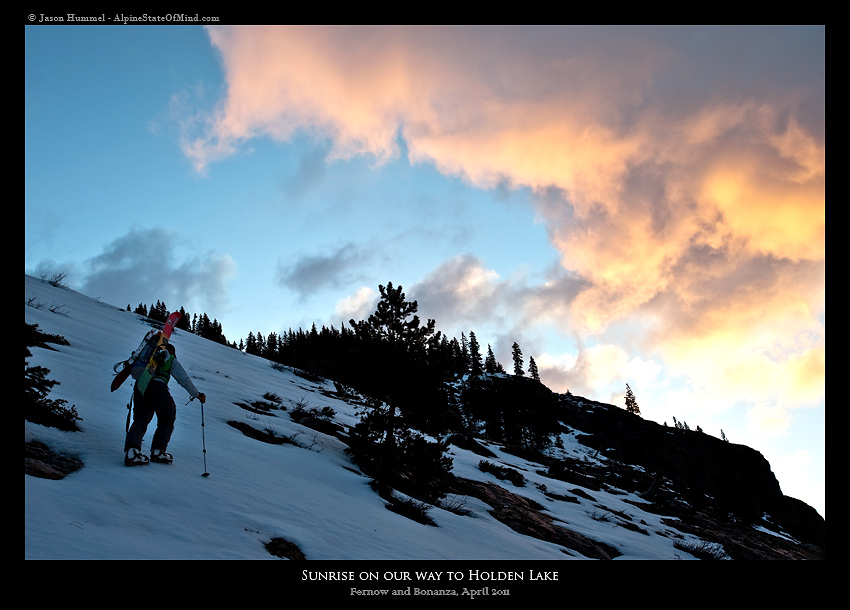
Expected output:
{"points": [[310, 494]]}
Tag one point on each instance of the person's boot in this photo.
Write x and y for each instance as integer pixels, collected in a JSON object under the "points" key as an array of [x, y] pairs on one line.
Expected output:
{"points": [[161, 457], [134, 457]]}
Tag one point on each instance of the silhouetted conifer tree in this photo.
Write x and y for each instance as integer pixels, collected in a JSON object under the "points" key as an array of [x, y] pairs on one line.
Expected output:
{"points": [[184, 323], [490, 361], [404, 396], [516, 353], [464, 350], [476, 367], [631, 403], [251, 344], [532, 369]]}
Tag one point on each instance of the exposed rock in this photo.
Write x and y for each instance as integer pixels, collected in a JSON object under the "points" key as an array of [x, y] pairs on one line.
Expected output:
{"points": [[267, 436], [739, 540], [464, 441], [285, 549], [526, 517], [260, 407], [320, 424], [40, 461]]}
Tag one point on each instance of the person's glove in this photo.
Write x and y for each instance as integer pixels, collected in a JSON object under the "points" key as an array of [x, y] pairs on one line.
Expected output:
{"points": [[202, 397]]}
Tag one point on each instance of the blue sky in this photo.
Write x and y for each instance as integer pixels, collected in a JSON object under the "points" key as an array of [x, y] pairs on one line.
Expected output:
{"points": [[631, 205]]}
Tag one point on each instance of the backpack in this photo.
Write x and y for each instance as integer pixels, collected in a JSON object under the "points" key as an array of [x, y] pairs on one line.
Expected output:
{"points": [[140, 354]]}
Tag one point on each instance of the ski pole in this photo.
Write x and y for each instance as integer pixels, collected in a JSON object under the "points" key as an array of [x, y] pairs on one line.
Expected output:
{"points": [[204, 441]]}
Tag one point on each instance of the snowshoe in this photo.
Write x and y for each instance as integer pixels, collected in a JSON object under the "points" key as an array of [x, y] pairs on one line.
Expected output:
{"points": [[161, 457], [134, 457]]}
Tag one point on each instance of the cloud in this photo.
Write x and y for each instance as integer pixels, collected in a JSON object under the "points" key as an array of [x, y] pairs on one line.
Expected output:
{"points": [[358, 306], [145, 266], [597, 368], [689, 165], [460, 291], [312, 273]]}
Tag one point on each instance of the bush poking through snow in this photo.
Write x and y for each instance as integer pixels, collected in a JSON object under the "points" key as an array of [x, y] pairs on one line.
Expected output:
{"points": [[701, 549], [502, 473], [455, 504], [38, 408]]}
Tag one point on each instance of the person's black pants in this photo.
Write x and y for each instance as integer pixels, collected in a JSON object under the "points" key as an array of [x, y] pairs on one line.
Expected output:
{"points": [[157, 401]]}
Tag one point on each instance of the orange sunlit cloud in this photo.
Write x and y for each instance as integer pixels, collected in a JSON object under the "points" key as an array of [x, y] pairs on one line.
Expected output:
{"points": [[670, 201]]}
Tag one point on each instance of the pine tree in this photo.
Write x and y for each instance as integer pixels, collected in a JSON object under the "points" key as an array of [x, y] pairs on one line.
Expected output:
{"points": [[216, 332], [395, 320], [269, 350], [397, 342], [517, 356], [458, 363], [183, 323], [464, 350], [475, 365], [631, 403], [261, 343], [251, 344], [532, 369], [158, 312], [394, 375], [490, 364]]}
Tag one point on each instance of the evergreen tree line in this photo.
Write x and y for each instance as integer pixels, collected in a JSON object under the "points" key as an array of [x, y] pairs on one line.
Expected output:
{"points": [[405, 364], [200, 325], [318, 351]]}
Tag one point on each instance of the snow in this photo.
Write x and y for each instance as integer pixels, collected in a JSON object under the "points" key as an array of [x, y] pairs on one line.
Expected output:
{"points": [[311, 494]]}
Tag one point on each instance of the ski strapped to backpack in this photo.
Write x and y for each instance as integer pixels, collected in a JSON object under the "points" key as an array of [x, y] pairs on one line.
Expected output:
{"points": [[153, 361], [140, 354], [154, 340]]}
